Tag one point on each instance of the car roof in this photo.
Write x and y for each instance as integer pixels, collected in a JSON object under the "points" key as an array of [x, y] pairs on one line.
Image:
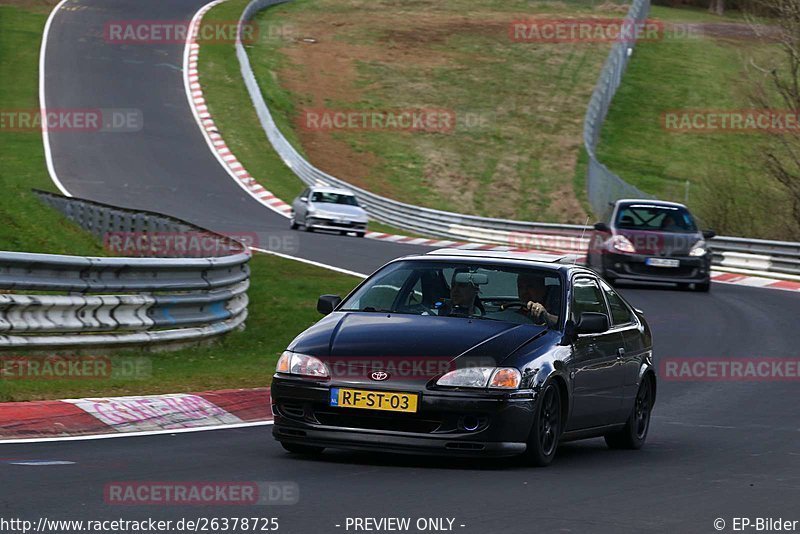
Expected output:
{"points": [[649, 202], [326, 189], [551, 261]]}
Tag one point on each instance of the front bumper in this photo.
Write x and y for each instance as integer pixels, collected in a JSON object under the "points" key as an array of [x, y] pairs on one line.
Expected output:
{"points": [[337, 225], [303, 416], [692, 270]]}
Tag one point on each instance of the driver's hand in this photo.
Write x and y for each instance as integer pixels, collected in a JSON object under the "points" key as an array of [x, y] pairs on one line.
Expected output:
{"points": [[535, 310]]}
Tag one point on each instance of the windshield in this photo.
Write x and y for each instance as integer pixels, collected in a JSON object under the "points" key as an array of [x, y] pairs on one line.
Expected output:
{"points": [[655, 218], [333, 198], [457, 289]]}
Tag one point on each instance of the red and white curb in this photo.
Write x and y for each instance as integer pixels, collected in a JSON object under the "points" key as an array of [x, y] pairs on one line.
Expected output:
{"points": [[227, 159], [754, 281], [147, 414]]}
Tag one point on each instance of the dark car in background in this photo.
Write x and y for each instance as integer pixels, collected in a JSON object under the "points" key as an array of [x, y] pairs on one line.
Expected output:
{"points": [[651, 241], [435, 354]]}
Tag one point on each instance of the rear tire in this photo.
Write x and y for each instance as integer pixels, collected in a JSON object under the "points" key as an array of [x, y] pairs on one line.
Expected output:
{"points": [[359, 234], [344, 232], [634, 433], [296, 448], [547, 426]]}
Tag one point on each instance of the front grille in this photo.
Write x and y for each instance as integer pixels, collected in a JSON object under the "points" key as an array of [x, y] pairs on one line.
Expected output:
{"points": [[671, 272], [398, 422]]}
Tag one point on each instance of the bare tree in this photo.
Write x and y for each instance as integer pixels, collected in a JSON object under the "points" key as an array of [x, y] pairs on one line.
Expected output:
{"points": [[717, 7], [777, 90]]}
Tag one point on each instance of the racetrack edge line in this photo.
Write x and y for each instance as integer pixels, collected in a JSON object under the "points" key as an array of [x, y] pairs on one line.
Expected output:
{"points": [[136, 434], [48, 156]]}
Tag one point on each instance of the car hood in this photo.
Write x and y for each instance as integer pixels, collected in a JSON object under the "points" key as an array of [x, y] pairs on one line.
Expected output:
{"points": [[410, 348], [661, 243], [342, 210]]}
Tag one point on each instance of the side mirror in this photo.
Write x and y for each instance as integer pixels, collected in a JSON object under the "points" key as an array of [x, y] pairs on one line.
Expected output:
{"points": [[304, 199], [709, 234], [327, 303], [602, 227], [592, 323]]}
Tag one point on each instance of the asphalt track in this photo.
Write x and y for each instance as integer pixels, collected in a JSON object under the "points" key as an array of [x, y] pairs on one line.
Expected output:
{"points": [[715, 450]]}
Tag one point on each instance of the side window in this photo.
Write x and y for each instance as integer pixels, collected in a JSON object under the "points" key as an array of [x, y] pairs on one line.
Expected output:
{"points": [[620, 312], [586, 297]]}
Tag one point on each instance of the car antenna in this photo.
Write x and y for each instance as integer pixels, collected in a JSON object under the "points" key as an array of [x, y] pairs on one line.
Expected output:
{"points": [[583, 233]]}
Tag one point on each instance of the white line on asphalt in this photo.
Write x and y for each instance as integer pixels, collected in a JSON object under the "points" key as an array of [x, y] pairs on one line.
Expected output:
{"points": [[43, 104], [135, 434], [310, 262]]}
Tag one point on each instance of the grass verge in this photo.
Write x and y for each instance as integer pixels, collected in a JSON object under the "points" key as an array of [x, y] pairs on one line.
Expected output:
{"points": [[25, 223], [728, 186]]}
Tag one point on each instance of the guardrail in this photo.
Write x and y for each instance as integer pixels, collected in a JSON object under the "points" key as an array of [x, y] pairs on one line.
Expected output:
{"points": [[121, 301], [604, 187]]}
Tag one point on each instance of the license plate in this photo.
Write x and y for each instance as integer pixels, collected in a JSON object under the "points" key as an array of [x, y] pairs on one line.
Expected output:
{"points": [[341, 221], [662, 262], [374, 400]]}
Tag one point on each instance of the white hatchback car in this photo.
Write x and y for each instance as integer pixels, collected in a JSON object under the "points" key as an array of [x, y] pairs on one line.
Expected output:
{"points": [[327, 208]]}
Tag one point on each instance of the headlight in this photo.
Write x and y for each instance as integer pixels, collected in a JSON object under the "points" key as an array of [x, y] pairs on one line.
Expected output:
{"points": [[293, 363], [622, 244], [699, 249], [482, 377]]}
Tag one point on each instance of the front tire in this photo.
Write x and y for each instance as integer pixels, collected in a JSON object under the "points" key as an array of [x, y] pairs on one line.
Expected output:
{"points": [[547, 426], [293, 225], [296, 448], [634, 433]]}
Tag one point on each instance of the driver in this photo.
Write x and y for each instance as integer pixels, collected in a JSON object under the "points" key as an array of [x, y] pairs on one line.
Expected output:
{"points": [[669, 224], [532, 293]]}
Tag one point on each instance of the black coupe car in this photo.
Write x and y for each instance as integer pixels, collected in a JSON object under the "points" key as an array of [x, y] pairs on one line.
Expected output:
{"points": [[469, 353]]}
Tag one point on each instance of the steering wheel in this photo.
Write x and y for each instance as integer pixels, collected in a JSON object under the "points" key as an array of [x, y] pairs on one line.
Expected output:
{"points": [[513, 304], [522, 305]]}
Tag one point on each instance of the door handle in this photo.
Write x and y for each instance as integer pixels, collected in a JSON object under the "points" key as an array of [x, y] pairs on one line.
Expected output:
{"points": [[620, 353]]}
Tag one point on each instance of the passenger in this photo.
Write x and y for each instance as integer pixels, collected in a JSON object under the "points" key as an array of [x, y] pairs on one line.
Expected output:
{"points": [[462, 297]]}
